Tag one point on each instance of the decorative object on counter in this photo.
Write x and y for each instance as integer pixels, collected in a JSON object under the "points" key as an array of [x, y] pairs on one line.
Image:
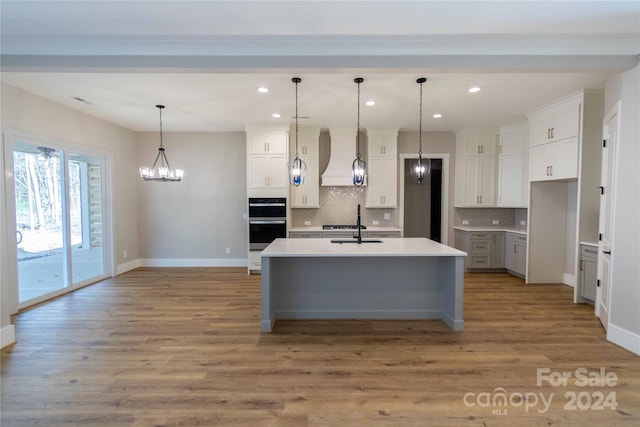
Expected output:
{"points": [[423, 166], [297, 167], [358, 168], [164, 172]]}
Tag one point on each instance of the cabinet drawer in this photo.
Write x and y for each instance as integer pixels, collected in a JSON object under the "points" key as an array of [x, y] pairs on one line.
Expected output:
{"points": [[481, 236], [479, 261], [588, 251], [480, 247]]}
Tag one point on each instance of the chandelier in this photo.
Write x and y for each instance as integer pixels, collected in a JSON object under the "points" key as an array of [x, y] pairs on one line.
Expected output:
{"points": [[164, 171], [423, 166], [297, 167], [358, 167]]}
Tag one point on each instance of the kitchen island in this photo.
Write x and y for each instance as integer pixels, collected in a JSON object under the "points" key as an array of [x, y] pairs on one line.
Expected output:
{"points": [[395, 278]]}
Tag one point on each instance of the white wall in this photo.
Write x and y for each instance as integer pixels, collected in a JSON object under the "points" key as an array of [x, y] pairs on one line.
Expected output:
{"points": [[193, 221], [624, 324], [29, 113]]}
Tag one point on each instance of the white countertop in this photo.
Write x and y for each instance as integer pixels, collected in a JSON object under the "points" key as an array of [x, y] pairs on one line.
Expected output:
{"points": [[589, 243], [319, 228], [401, 247], [510, 229]]}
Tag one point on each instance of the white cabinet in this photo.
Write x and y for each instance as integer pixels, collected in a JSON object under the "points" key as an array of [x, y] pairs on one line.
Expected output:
{"points": [[553, 161], [516, 253], [267, 161], [382, 168], [476, 157], [382, 182], [513, 184], [554, 141], [307, 195]]}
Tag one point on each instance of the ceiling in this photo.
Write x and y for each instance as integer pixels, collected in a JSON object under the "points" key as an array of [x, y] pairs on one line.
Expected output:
{"points": [[205, 60]]}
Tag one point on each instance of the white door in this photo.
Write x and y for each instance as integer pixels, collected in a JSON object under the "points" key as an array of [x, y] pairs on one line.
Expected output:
{"points": [[605, 255]]}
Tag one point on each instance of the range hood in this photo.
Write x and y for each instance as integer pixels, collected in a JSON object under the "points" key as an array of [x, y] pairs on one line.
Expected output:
{"points": [[343, 153]]}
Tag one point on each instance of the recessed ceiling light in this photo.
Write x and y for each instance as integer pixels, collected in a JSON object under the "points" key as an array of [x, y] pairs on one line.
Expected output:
{"points": [[275, 115], [437, 115], [263, 89], [370, 103], [474, 89]]}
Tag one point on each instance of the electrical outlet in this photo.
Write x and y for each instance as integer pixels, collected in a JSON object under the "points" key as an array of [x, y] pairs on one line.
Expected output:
{"points": [[228, 251], [125, 254], [387, 215], [523, 222], [375, 222], [495, 222], [307, 223], [465, 222]]}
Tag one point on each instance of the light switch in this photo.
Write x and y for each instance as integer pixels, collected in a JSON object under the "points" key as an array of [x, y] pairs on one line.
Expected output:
{"points": [[465, 222]]}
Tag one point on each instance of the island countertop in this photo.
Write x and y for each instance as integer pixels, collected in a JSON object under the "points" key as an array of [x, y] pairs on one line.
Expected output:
{"points": [[322, 247]]}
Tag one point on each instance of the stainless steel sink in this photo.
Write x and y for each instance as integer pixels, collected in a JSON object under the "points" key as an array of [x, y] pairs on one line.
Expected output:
{"points": [[355, 241]]}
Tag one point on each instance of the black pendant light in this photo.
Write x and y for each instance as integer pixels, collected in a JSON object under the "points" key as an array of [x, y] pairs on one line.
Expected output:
{"points": [[297, 167], [164, 171], [423, 165], [358, 168]]}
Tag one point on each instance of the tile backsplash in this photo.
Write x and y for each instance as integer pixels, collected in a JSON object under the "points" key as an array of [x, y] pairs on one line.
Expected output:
{"points": [[486, 216], [339, 205]]}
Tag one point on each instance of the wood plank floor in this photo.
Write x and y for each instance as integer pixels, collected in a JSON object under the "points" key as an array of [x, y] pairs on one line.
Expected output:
{"points": [[182, 347]]}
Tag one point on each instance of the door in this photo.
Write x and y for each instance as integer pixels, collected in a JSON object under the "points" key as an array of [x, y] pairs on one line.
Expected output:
{"points": [[605, 253]]}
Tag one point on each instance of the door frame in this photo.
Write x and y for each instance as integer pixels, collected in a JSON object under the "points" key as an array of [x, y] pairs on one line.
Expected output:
{"points": [[444, 208], [612, 150], [11, 254]]}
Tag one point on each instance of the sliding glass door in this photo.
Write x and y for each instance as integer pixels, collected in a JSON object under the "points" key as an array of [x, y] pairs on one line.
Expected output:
{"points": [[59, 212]]}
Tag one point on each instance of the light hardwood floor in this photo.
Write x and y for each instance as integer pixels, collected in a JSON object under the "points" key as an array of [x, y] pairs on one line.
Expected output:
{"points": [[182, 347]]}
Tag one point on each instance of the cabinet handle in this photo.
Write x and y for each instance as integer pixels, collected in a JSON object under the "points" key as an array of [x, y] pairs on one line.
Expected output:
{"points": [[480, 199], [551, 170], [552, 129], [549, 133], [500, 148], [514, 249]]}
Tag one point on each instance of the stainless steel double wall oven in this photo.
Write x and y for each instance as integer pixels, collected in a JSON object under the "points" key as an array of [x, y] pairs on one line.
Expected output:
{"points": [[267, 221]]}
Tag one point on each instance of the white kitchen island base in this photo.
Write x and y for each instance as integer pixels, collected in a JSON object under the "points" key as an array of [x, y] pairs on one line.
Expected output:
{"points": [[397, 279]]}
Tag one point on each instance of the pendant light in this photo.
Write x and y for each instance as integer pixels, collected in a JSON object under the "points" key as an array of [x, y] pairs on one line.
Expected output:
{"points": [[423, 166], [358, 168], [297, 167], [164, 172]]}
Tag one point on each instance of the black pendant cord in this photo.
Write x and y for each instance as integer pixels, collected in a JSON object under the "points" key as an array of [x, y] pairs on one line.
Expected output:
{"points": [[420, 126], [296, 80], [161, 155], [358, 81]]}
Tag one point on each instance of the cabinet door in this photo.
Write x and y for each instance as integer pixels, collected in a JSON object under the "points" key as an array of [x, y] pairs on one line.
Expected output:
{"points": [[480, 145], [539, 162], [307, 195], [390, 182], [486, 185], [540, 132], [470, 172], [567, 123], [521, 259], [511, 181], [512, 143], [588, 276], [374, 182], [565, 159], [276, 171], [257, 172], [510, 261], [382, 182], [497, 250]]}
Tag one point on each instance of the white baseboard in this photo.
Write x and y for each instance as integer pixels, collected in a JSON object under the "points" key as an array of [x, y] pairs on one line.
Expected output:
{"points": [[127, 266], [625, 339], [193, 262], [7, 336], [569, 279]]}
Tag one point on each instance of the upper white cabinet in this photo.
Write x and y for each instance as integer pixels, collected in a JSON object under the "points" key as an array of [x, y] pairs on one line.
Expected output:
{"points": [[307, 195], [476, 167], [513, 184], [382, 168], [555, 140], [267, 160]]}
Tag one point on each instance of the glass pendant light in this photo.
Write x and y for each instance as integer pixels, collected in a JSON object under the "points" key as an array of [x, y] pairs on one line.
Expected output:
{"points": [[164, 172], [297, 167], [423, 165], [358, 167]]}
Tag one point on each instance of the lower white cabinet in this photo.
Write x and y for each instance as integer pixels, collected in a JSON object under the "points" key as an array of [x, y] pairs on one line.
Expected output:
{"points": [[516, 253], [588, 272]]}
